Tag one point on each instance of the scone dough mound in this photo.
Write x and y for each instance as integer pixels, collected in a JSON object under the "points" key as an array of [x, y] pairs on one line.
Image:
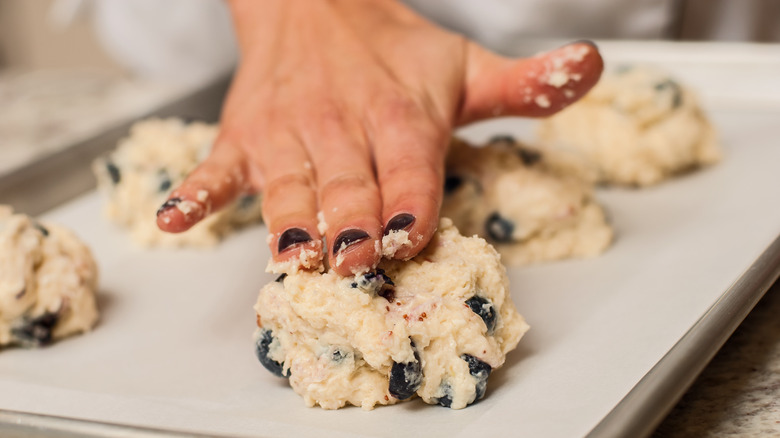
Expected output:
{"points": [[638, 126], [139, 175], [48, 280], [434, 326], [532, 205]]}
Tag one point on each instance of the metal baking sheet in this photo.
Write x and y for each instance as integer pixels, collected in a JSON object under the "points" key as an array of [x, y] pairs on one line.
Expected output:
{"points": [[614, 340]]}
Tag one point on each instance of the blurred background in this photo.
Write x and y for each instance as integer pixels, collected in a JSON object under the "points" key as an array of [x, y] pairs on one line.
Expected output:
{"points": [[70, 68]]}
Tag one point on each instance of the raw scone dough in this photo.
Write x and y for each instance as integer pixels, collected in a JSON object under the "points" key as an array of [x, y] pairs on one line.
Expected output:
{"points": [[531, 205], [434, 326], [146, 166], [48, 280], [638, 126]]}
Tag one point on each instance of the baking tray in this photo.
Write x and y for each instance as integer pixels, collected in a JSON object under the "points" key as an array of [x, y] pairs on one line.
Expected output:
{"points": [[614, 341]]}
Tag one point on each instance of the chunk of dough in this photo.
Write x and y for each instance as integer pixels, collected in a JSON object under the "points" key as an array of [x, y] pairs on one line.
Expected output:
{"points": [[139, 175], [638, 126], [434, 326], [532, 205], [48, 281]]}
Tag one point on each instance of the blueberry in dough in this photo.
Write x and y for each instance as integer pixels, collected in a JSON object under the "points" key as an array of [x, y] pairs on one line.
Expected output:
{"points": [[406, 378], [37, 331], [669, 84], [529, 156], [451, 183], [338, 354], [165, 181], [245, 202], [481, 371], [376, 283], [113, 172], [262, 349], [41, 228], [485, 309], [498, 228], [446, 399]]}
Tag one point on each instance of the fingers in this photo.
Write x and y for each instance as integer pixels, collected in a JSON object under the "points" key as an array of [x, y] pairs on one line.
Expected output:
{"points": [[349, 198], [212, 185], [410, 148], [533, 87], [289, 205]]}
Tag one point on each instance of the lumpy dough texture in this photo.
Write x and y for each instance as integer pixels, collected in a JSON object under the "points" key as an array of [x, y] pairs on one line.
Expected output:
{"points": [[48, 280], [147, 165], [638, 126], [434, 326], [533, 206]]}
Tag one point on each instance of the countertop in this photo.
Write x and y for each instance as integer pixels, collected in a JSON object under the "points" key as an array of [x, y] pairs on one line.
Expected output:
{"points": [[738, 394]]}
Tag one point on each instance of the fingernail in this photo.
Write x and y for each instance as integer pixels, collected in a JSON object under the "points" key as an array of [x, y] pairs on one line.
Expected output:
{"points": [[292, 237], [399, 222], [347, 238], [588, 42], [167, 205]]}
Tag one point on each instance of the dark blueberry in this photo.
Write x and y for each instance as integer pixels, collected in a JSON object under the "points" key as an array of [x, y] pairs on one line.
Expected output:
{"points": [[529, 156], [167, 205], [338, 354], [165, 181], [281, 278], [485, 309], [41, 228], [376, 283], [503, 139], [451, 183], [446, 399], [481, 371], [245, 202], [347, 238], [406, 378], [669, 84], [292, 237], [262, 347], [37, 331], [113, 172], [499, 229]]}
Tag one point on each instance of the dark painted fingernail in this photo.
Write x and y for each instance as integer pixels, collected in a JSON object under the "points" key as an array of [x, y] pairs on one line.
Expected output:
{"points": [[347, 238], [167, 205], [399, 222], [292, 237], [588, 42]]}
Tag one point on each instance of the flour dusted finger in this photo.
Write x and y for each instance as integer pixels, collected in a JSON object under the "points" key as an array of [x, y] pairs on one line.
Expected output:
{"points": [[140, 174], [48, 281], [434, 327]]}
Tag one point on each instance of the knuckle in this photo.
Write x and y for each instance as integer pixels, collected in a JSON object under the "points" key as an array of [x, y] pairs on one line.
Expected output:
{"points": [[281, 185], [345, 181]]}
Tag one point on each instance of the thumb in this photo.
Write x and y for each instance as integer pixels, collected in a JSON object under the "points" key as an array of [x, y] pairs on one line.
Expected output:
{"points": [[531, 87]]}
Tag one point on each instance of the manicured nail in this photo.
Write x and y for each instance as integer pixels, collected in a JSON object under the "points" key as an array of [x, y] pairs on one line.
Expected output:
{"points": [[347, 238], [588, 42], [167, 205], [399, 222], [292, 237]]}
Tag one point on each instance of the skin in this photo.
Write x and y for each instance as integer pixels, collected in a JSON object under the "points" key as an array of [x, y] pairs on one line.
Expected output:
{"points": [[346, 107]]}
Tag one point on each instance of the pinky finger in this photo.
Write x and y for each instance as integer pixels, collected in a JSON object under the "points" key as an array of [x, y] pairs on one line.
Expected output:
{"points": [[217, 181]]}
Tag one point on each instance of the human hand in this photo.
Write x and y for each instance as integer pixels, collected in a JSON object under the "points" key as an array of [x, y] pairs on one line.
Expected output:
{"points": [[346, 107]]}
